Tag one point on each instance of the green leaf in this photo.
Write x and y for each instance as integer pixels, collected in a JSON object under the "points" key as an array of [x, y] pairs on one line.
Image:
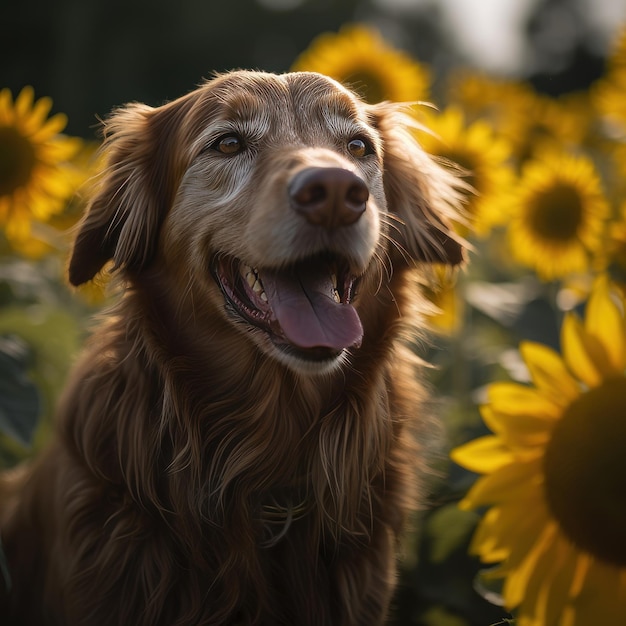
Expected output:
{"points": [[19, 398], [438, 615], [449, 529], [53, 336]]}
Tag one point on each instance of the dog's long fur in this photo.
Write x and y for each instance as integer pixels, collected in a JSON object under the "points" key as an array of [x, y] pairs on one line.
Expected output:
{"points": [[200, 472]]}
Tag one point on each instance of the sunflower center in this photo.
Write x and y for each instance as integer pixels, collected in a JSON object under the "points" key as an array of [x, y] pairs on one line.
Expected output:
{"points": [[585, 472], [368, 85], [17, 159], [557, 213]]}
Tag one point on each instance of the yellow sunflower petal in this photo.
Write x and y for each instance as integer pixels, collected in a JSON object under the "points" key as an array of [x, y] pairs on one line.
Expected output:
{"points": [[506, 484], [518, 430], [533, 566], [24, 101], [55, 182], [515, 399], [604, 321], [59, 149], [38, 115], [549, 373], [52, 127], [506, 532], [5, 207], [601, 599], [545, 582], [6, 112], [43, 206], [584, 354], [552, 598], [520, 536], [19, 226], [483, 455], [522, 416], [487, 539]]}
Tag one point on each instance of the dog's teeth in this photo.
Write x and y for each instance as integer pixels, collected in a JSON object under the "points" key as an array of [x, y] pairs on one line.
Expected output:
{"points": [[251, 276], [333, 280]]}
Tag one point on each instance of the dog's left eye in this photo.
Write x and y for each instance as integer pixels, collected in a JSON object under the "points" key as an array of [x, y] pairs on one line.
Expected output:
{"points": [[228, 144], [359, 147]]}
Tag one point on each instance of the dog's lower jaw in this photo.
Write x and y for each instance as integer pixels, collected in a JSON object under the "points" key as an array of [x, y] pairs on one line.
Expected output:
{"points": [[310, 367], [314, 363], [301, 315]]}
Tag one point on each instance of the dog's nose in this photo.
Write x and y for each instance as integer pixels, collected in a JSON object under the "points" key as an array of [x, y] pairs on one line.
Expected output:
{"points": [[328, 196]]}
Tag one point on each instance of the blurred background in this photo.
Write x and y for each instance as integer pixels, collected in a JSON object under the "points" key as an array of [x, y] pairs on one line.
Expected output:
{"points": [[92, 56]]}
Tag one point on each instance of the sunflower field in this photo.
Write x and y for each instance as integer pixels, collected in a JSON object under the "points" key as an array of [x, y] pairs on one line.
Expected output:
{"points": [[527, 517]]}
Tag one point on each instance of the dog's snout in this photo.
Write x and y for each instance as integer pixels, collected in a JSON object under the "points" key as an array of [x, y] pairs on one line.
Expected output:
{"points": [[328, 196]]}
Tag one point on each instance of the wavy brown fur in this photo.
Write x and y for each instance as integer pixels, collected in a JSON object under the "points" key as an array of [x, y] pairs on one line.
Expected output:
{"points": [[195, 476]]}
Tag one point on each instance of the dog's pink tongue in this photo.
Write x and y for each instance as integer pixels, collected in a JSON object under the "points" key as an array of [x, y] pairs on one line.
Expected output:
{"points": [[304, 306]]}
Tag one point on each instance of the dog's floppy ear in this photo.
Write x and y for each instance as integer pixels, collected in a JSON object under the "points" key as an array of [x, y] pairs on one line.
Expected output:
{"points": [[135, 189], [422, 196]]}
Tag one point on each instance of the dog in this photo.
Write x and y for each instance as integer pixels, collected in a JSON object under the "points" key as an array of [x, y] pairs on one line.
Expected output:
{"points": [[238, 443]]}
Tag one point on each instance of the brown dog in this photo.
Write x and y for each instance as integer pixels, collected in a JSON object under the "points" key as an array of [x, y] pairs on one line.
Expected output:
{"points": [[233, 446]]}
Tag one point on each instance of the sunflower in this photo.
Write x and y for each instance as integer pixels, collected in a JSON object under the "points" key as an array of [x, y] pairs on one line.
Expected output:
{"points": [[526, 119], [558, 214], [609, 93], [483, 159], [553, 123], [614, 253], [446, 314], [359, 57], [36, 178], [609, 98], [553, 475], [505, 104]]}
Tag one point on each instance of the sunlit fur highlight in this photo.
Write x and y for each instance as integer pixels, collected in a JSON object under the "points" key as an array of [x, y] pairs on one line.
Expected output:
{"points": [[195, 476]]}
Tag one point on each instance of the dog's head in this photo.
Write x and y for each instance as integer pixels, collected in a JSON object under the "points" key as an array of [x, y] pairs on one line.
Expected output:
{"points": [[275, 195]]}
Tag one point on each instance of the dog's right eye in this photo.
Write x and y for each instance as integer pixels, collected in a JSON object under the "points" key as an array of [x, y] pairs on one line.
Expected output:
{"points": [[359, 147], [228, 144]]}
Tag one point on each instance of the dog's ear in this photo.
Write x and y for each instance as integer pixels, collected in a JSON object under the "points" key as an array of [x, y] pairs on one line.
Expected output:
{"points": [[423, 198], [135, 189]]}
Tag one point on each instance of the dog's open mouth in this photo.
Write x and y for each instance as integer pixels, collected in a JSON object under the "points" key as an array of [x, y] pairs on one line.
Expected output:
{"points": [[305, 309]]}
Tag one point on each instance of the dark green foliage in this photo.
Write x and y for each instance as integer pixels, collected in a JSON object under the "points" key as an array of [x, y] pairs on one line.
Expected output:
{"points": [[19, 398]]}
